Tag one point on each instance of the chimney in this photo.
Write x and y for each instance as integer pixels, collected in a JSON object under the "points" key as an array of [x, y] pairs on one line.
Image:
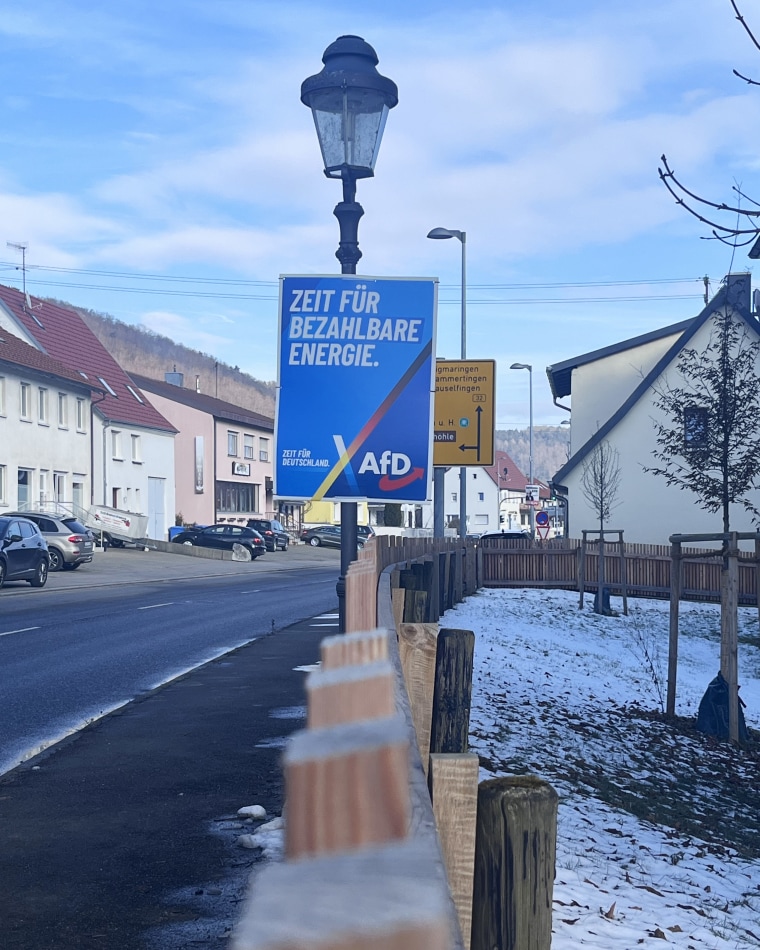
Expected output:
{"points": [[197, 383], [175, 378]]}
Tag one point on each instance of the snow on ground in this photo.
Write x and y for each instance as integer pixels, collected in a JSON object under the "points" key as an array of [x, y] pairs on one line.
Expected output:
{"points": [[659, 826]]}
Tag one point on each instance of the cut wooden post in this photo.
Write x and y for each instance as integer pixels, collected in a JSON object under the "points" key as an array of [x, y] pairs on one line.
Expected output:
{"points": [[452, 696], [453, 781], [350, 694], [515, 851], [398, 600], [417, 643], [349, 649], [377, 899], [676, 567], [346, 786]]}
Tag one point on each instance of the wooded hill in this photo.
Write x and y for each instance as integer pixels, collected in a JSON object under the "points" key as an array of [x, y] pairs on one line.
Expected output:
{"points": [[140, 350]]}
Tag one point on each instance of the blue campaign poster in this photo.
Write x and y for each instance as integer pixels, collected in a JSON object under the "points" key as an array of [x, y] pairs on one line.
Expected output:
{"points": [[355, 388]]}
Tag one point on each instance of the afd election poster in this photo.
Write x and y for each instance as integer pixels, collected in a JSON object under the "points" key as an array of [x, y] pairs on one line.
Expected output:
{"points": [[355, 388]]}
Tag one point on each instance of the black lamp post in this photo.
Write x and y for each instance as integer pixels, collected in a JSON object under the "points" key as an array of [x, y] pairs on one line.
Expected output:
{"points": [[350, 101]]}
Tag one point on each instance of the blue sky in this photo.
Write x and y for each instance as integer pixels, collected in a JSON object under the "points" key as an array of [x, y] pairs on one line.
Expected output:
{"points": [[152, 141]]}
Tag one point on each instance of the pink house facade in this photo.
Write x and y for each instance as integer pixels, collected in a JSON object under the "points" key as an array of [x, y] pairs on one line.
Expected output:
{"points": [[223, 454]]}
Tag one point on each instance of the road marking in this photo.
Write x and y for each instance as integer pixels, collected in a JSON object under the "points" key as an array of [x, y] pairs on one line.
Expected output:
{"points": [[257, 590], [169, 603], [20, 630]]}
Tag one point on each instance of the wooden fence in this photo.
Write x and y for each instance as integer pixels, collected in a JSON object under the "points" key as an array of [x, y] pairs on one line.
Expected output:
{"points": [[557, 563], [383, 807]]}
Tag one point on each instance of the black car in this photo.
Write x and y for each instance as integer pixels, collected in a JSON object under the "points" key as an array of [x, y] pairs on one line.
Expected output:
{"points": [[23, 552], [70, 544], [327, 535], [272, 531], [223, 537]]}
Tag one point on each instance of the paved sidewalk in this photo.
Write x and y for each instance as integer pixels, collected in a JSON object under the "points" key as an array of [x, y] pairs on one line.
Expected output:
{"points": [[126, 835]]}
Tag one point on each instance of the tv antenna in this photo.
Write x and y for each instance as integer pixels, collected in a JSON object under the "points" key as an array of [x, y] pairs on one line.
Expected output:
{"points": [[22, 248]]}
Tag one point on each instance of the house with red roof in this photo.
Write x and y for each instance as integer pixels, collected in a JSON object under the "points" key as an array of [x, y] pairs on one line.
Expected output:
{"points": [[223, 455], [131, 443], [45, 426]]}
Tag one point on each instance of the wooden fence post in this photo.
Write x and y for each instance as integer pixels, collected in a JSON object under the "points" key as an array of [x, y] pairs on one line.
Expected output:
{"points": [[515, 852], [452, 696], [346, 787], [730, 636], [417, 644], [676, 568], [453, 781], [350, 694], [379, 897]]}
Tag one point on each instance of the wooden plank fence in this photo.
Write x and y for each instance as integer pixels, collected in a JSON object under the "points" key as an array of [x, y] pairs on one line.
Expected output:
{"points": [[556, 563]]}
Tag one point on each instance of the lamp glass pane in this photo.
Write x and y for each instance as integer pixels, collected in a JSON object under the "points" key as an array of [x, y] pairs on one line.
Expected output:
{"points": [[349, 126]]}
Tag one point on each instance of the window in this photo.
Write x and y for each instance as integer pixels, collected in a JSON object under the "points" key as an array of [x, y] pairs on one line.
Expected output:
{"points": [[481, 496], [453, 496], [63, 410], [77, 492], [25, 401], [695, 427], [263, 450], [3, 485], [44, 485], [2, 395], [116, 444], [232, 443], [248, 446], [59, 486], [81, 415], [42, 405], [236, 497], [136, 456], [24, 487]]}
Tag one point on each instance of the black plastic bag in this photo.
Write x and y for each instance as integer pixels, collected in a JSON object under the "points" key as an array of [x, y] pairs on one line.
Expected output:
{"points": [[712, 718]]}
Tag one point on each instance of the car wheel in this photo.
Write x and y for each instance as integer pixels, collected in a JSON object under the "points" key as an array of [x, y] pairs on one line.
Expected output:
{"points": [[187, 543], [56, 559], [284, 545], [40, 575], [2, 573], [314, 542]]}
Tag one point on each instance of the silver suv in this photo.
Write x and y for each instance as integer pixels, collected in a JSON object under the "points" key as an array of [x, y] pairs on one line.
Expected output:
{"points": [[69, 542]]}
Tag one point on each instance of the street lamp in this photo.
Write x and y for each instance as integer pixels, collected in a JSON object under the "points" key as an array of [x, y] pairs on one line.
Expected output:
{"points": [[349, 101], [530, 440], [442, 234]]}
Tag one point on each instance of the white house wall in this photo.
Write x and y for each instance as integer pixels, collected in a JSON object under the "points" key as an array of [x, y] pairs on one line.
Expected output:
{"points": [[482, 513], [44, 449], [127, 484], [602, 386], [649, 510]]}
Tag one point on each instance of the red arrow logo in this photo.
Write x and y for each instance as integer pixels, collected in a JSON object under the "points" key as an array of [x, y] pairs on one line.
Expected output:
{"points": [[387, 483]]}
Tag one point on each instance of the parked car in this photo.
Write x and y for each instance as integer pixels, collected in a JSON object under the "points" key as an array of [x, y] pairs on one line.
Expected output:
{"points": [[492, 538], [327, 535], [272, 531], [223, 537], [70, 544], [23, 552], [365, 531]]}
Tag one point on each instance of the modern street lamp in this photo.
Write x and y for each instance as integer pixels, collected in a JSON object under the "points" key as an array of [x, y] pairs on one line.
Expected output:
{"points": [[349, 101], [530, 440], [442, 234]]}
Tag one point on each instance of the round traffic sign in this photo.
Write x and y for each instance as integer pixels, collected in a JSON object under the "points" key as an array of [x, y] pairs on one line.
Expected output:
{"points": [[542, 518]]}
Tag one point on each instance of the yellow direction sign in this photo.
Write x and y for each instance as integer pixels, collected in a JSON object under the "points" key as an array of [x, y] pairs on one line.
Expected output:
{"points": [[463, 420]]}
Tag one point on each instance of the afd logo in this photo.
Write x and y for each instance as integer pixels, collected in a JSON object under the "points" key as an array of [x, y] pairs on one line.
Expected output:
{"points": [[394, 467]]}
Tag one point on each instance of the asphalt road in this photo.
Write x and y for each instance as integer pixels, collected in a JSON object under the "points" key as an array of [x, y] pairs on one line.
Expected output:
{"points": [[126, 834], [99, 637]]}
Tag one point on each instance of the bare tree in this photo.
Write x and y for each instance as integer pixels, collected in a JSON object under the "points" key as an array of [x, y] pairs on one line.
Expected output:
{"points": [[600, 483], [730, 223], [709, 443]]}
